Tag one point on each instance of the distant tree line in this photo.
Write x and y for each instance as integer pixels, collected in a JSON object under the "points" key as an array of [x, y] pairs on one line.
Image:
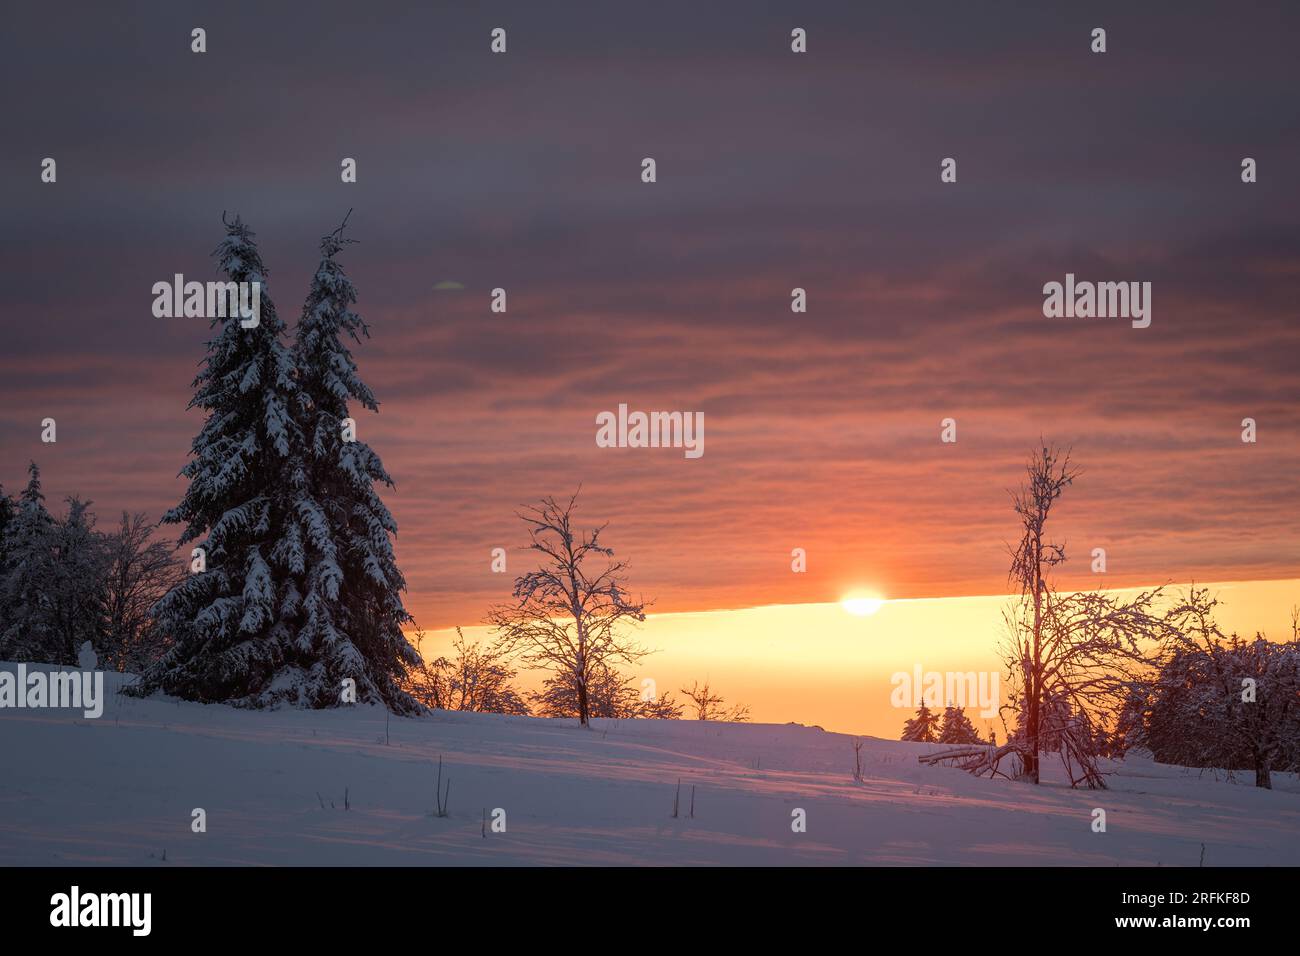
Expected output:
{"points": [[954, 727]]}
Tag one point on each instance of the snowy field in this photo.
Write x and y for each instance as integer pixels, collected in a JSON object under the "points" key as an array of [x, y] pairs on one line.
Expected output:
{"points": [[121, 789]]}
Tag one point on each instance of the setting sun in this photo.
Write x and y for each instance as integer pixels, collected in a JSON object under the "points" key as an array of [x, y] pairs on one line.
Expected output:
{"points": [[862, 605]]}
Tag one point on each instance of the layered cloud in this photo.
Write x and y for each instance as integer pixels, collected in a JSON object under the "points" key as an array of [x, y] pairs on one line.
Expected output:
{"points": [[776, 171]]}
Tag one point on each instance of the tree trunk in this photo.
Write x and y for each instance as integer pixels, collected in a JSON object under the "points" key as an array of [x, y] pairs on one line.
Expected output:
{"points": [[1263, 778], [1030, 756], [1033, 683], [583, 710]]}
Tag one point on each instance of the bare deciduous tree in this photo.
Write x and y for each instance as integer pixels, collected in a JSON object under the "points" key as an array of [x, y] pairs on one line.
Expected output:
{"points": [[663, 707], [480, 679], [566, 616], [138, 572], [711, 706], [1049, 474], [427, 681], [1073, 659], [1225, 702], [609, 694]]}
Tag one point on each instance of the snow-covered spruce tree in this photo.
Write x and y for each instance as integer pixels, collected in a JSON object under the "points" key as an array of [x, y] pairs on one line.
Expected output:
{"points": [[233, 622], [921, 728], [957, 728], [26, 573], [51, 581], [352, 612], [8, 512]]}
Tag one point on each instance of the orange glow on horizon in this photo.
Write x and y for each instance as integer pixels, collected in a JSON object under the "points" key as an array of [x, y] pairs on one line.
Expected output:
{"points": [[815, 664]]}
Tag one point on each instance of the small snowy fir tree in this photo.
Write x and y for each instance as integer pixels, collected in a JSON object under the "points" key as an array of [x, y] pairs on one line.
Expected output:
{"points": [[8, 513], [25, 575], [957, 728], [921, 727], [75, 588], [352, 604], [233, 621]]}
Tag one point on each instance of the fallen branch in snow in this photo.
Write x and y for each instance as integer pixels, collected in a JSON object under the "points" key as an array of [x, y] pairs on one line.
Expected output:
{"points": [[981, 760], [977, 760]]}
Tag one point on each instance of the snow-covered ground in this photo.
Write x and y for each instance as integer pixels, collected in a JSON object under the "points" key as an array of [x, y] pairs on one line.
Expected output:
{"points": [[121, 790]]}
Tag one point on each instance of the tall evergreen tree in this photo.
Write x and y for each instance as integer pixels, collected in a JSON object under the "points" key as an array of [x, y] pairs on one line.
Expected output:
{"points": [[352, 607], [26, 574], [233, 622]]}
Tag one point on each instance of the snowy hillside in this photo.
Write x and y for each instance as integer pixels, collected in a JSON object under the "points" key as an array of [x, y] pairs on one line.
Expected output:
{"points": [[121, 790]]}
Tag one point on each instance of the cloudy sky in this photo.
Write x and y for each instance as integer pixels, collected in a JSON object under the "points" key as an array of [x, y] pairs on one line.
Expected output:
{"points": [[775, 170]]}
